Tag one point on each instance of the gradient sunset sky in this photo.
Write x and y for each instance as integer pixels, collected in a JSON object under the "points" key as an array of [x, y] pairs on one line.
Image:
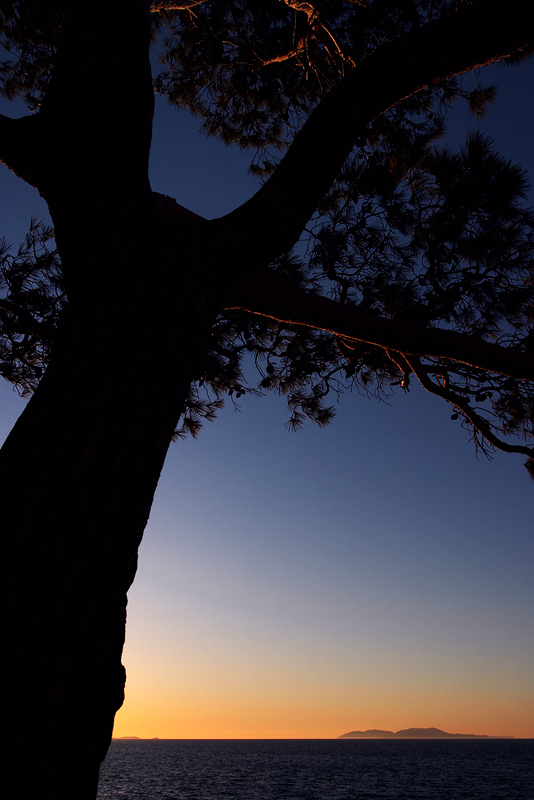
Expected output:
{"points": [[373, 574]]}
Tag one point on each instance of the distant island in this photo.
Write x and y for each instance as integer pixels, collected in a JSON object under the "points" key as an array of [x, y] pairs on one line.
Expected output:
{"points": [[416, 733]]}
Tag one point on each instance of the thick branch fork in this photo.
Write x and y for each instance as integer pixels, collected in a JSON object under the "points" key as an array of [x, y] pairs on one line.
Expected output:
{"points": [[471, 37], [292, 306]]}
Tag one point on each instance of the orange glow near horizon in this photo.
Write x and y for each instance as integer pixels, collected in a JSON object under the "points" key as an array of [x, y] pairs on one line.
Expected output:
{"points": [[218, 711]]}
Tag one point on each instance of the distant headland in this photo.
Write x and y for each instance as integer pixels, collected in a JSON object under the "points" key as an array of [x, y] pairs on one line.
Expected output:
{"points": [[416, 733], [137, 737]]}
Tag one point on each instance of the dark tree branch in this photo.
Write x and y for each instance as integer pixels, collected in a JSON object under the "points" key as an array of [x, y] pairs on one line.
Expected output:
{"points": [[25, 323], [96, 128], [174, 5], [314, 23], [79, 107], [173, 212], [478, 422], [105, 133], [287, 304], [18, 144], [281, 57], [7, 139], [472, 36]]}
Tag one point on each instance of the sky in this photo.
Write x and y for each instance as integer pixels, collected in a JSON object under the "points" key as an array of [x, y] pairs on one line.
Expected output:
{"points": [[373, 574]]}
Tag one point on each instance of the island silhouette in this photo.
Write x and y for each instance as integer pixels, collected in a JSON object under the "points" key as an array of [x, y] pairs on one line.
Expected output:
{"points": [[416, 733], [139, 738]]}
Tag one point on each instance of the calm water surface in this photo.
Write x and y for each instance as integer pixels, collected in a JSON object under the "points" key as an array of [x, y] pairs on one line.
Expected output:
{"points": [[318, 770]]}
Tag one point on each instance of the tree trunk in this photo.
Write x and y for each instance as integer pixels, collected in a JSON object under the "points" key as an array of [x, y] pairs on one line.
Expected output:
{"points": [[77, 478], [79, 470]]}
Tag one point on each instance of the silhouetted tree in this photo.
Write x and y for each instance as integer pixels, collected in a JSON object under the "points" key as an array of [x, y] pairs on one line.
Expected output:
{"points": [[368, 257]]}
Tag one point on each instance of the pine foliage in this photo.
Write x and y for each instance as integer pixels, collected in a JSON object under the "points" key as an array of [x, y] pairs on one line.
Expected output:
{"points": [[31, 302], [29, 34], [410, 231]]}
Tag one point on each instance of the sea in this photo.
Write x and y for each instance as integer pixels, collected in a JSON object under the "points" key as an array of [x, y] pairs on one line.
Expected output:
{"points": [[318, 769]]}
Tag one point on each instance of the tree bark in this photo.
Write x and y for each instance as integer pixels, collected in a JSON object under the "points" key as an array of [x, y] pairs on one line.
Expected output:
{"points": [[77, 478]]}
